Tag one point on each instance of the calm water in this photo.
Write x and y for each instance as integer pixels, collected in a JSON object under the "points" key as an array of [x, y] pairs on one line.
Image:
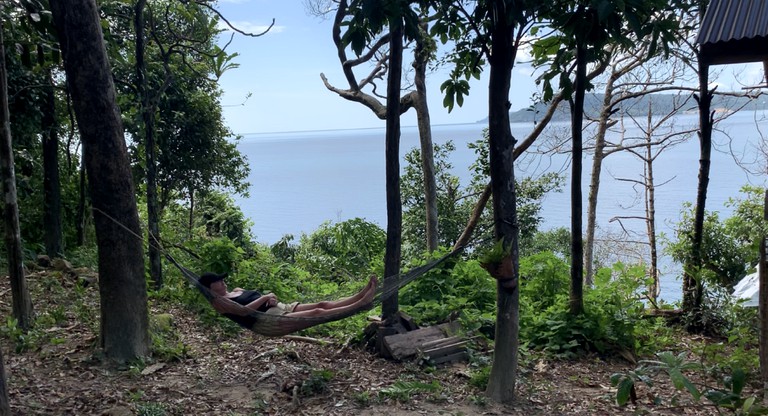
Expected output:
{"points": [[302, 179]]}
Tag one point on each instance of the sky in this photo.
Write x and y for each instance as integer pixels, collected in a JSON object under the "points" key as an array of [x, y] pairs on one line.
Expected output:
{"points": [[281, 72]]}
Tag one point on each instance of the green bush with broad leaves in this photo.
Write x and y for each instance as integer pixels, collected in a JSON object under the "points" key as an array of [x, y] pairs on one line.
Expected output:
{"points": [[612, 320], [348, 249], [458, 285], [729, 395]]}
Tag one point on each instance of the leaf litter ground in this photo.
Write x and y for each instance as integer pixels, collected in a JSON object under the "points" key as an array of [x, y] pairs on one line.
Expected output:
{"points": [[61, 373]]}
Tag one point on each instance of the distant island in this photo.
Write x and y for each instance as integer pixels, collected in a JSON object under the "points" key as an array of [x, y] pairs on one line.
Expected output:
{"points": [[660, 104]]}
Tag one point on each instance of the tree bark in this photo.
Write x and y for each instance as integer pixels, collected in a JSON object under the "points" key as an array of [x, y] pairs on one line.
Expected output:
{"points": [[22, 303], [692, 286], [594, 184], [577, 248], [421, 55], [122, 288], [763, 303], [150, 149], [650, 215], [392, 254], [5, 404], [51, 182], [503, 377]]}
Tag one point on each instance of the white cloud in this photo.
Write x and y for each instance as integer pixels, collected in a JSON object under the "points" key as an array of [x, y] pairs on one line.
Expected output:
{"points": [[250, 27]]}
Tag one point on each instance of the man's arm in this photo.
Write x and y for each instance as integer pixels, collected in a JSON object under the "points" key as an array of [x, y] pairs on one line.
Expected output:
{"points": [[269, 299]]}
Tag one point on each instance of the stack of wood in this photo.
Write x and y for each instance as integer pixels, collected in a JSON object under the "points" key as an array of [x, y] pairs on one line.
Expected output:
{"points": [[436, 344]]}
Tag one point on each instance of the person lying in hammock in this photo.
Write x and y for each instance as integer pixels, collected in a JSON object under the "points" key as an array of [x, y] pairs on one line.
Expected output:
{"points": [[239, 303]]}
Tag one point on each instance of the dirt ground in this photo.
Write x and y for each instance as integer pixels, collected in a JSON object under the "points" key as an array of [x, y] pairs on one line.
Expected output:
{"points": [[248, 374]]}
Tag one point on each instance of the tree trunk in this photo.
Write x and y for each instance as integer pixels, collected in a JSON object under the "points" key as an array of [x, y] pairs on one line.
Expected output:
{"points": [[122, 288], [390, 304], [82, 197], [594, 185], [650, 221], [763, 303], [5, 404], [503, 377], [692, 286], [51, 182], [22, 303], [577, 256], [421, 56], [148, 119]]}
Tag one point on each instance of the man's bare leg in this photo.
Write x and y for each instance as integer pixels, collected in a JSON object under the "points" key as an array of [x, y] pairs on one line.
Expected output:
{"points": [[361, 303], [368, 291]]}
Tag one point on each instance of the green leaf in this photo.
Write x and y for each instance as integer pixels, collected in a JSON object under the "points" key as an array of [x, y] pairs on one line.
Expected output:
{"points": [[739, 379], [623, 392], [748, 405]]}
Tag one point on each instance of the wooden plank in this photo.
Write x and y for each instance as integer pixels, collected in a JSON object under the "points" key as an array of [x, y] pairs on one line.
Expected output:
{"points": [[446, 349], [400, 346], [459, 356]]}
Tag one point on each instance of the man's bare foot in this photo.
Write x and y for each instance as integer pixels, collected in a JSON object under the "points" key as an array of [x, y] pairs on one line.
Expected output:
{"points": [[371, 289]]}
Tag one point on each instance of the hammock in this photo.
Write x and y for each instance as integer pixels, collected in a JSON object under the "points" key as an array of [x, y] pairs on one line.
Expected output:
{"points": [[279, 325]]}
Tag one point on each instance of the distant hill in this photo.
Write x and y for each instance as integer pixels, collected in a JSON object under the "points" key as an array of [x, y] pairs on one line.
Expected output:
{"points": [[660, 104]]}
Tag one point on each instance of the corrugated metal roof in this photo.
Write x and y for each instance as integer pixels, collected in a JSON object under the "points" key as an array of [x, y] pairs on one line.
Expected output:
{"points": [[728, 20]]}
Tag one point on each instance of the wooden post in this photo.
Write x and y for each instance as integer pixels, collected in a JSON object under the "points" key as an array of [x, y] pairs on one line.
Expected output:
{"points": [[763, 306]]}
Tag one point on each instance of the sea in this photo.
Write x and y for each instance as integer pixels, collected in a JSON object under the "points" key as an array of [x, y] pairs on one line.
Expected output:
{"points": [[302, 179]]}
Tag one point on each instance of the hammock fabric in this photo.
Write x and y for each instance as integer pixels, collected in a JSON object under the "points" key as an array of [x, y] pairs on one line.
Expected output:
{"points": [[279, 325]]}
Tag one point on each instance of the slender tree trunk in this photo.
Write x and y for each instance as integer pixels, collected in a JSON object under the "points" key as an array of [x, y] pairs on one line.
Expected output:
{"points": [[148, 118], [390, 304], [577, 256], [51, 182], [5, 404], [594, 185], [122, 287], [191, 212], [503, 377], [692, 286], [763, 303], [22, 303], [81, 214], [421, 55], [650, 221]]}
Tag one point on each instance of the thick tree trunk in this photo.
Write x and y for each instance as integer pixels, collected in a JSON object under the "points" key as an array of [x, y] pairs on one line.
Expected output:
{"points": [[577, 249], [425, 138], [594, 184], [51, 182], [148, 119], [390, 304], [22, 303], [692, 286], [122, 288], [503, 377]]}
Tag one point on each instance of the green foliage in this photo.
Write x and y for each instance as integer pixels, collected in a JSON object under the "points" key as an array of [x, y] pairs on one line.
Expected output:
{"points": [[150, 409], [455, 202], [166, 344], [612, 320], [403, 390], [351, 248], [676, 367], [458, 286], [544, 278], [724, 256], [220, 255], [317, 382]]}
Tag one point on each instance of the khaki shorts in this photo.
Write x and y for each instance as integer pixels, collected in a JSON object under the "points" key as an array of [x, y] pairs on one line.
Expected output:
{"points": [[282, 308]]}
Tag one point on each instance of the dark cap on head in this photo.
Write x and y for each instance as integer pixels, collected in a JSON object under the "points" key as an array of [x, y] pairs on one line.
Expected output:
{"points": [[207, 279]]}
